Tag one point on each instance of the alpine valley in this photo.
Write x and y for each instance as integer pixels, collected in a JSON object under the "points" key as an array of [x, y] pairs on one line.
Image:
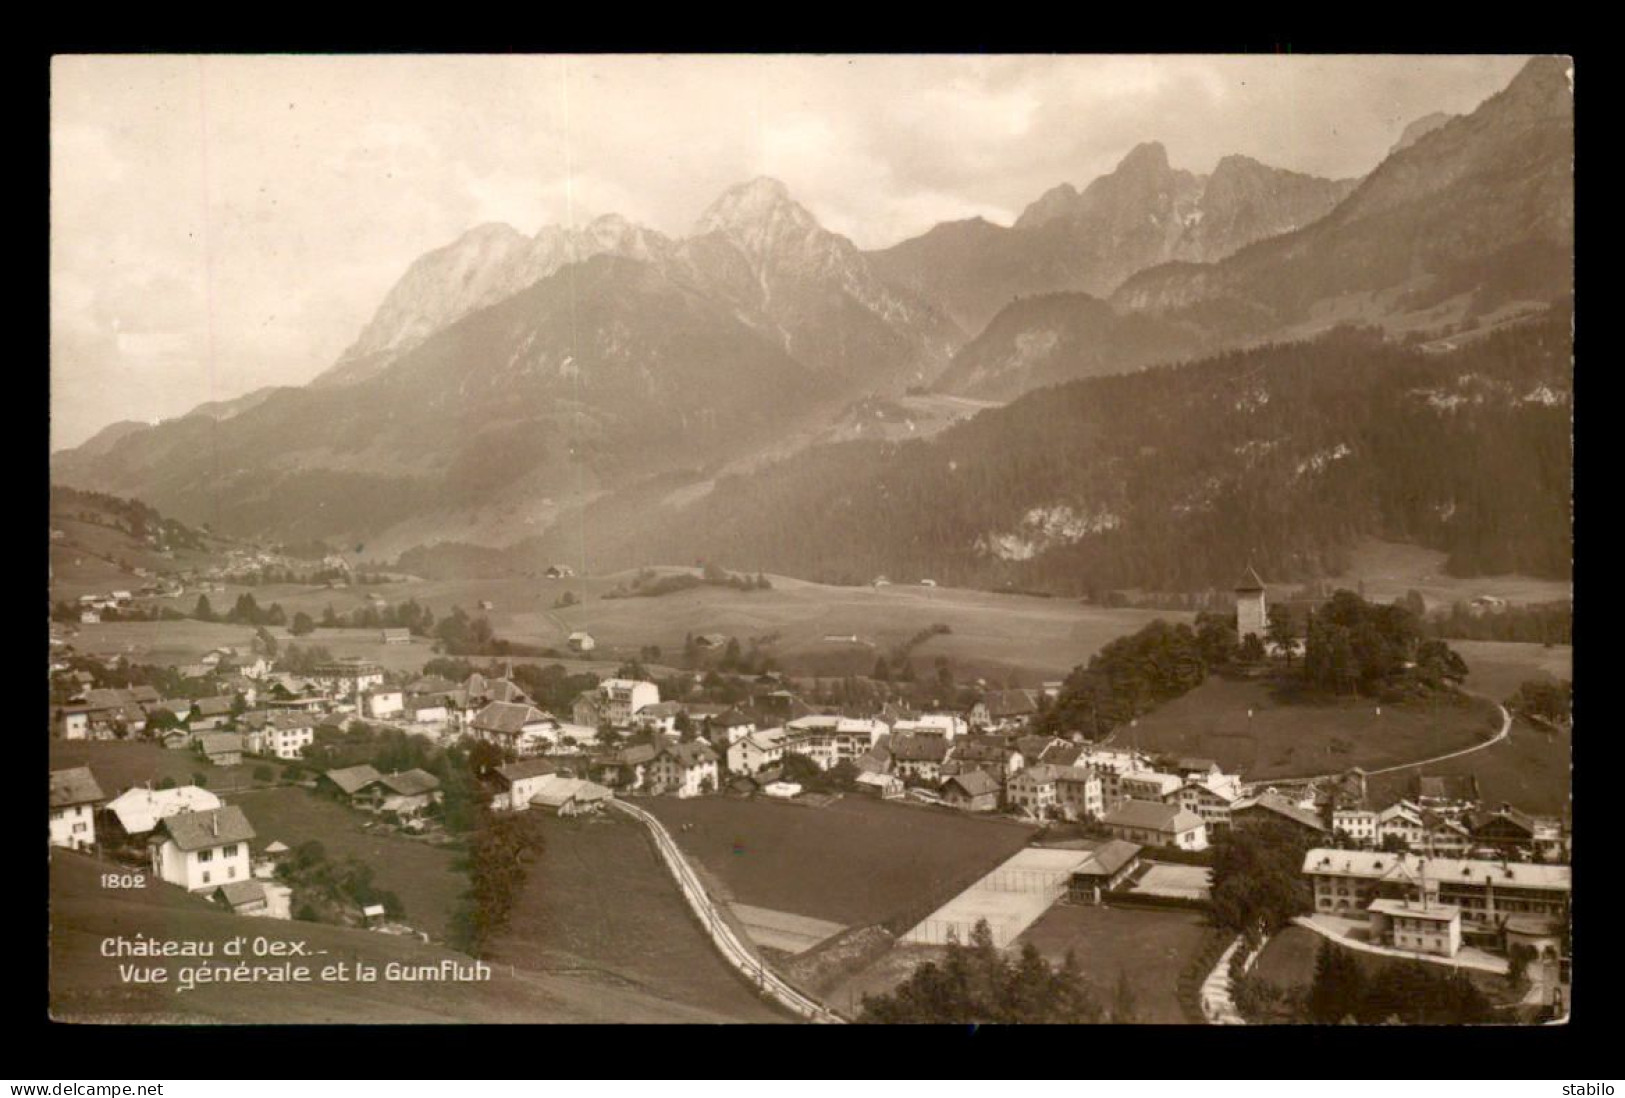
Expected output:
{"points": [[1146, 380]]}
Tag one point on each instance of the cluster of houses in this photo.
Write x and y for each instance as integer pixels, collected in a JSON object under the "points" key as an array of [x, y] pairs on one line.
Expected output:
{"points": [[188, 837]]}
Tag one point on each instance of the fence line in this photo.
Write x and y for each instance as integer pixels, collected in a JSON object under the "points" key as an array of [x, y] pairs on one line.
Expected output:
{"points": [[722, 935]]}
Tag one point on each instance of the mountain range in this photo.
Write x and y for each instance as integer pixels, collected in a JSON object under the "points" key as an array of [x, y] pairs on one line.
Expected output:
{"points": [[508, 385]]}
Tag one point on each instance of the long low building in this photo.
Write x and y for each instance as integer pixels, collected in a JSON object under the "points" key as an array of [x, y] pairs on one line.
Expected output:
{"points": [[1488, 894]]}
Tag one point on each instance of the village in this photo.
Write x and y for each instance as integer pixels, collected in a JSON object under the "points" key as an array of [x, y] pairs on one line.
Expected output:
{"points": [[1437, 872]]}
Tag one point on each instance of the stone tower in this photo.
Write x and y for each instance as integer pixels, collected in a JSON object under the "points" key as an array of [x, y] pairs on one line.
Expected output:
{"points": [[1251, 614]]}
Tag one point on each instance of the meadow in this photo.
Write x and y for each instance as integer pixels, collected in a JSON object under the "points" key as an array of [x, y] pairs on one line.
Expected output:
{"points": [[1252, 727], [858, 861]]}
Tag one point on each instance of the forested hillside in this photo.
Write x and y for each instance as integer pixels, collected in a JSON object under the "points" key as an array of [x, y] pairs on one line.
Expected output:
{"points": [[1176, 477]]}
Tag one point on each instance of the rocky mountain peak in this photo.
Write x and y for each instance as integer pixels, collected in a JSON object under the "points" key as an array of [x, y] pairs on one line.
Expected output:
{"points": [[762, 202]]}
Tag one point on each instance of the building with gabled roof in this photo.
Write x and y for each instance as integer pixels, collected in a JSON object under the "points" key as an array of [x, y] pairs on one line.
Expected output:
{"points": [[1107, 867], [1152, 823], [569, 796], [972, 791], [74, 797], [136, 812], [221, 748], [1270, 807], [683, 769], [351, 781], [202, 850], [522, 729]]}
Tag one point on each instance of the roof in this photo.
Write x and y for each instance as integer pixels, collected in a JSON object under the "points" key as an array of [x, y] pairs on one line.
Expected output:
{"points": [[557, 791], [1447, 787], [982, 749], [1152, 816], [76, 785], [696, 753], [508, 718], [871, 778], [212, 707], [1193, 762], [1109, 857], [203, 830], [1249, 581], [529, 768], [138, 810], [1061, 754], [353, 779], [242, 893], [1523, 821], [220, 743], [410, 783], [906, 748], [1002, 704], [1377, 864], [1274, 802], [974, 783], [1437, 912]]}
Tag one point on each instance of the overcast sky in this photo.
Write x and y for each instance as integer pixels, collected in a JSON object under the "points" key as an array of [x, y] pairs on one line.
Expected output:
{"points": [[223, 223]]}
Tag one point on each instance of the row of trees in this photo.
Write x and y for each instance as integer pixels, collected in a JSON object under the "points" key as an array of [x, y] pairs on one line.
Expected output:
{"points": [[498, 863], [1345, 990], [976, 984], [1127, 678]]}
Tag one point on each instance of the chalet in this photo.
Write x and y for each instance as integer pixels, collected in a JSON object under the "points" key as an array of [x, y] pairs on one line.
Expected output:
{"points": [[1061, 753], [972, 791], [74, 721], [217, 706], [483, 690], [729, 727], [221, 748], [202, 850], [1107, 867], [1401, 820], [569, 796], [426, 709], [396, 636], [684, 769], [74, 797], [757, 751], [559, 571], [918, 759], [522, 729], [242, 897], [176, 739], [1445, 836], [1270, 807], [885, 786], [408, 793], [355, 784], [1032, 748], [581, 642], [1152, 823], [516, 783], [627, 768], [1004, 710], [1512, 832], [711, 642], [134, 813]]}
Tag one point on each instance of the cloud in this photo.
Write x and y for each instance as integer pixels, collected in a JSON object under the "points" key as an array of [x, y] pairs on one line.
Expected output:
{"points": [[250, 212]]}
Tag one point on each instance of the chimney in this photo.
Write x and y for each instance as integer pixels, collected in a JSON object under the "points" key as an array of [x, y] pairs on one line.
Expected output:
{"points": [[214, 822]]}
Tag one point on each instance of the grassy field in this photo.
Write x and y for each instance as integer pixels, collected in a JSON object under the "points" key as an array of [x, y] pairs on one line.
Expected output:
{"points": [[857, 861], [425, 877], [86, 987], [1151, 947], [1282, 738], [599, 901], [1388, 570], [1532, 768], [1288, 960], [1499, 668], [121, 764]]}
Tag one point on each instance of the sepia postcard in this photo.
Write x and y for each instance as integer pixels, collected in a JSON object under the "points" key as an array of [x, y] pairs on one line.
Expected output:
{"points": [[790, 538]]}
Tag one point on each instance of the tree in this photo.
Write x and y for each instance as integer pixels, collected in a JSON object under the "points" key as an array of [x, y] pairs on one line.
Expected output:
{"points": [[1252, 649], [203, 611], [1281, 632], [1125, 1006], [1338, 987], [265, 642], [302, 624]]}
